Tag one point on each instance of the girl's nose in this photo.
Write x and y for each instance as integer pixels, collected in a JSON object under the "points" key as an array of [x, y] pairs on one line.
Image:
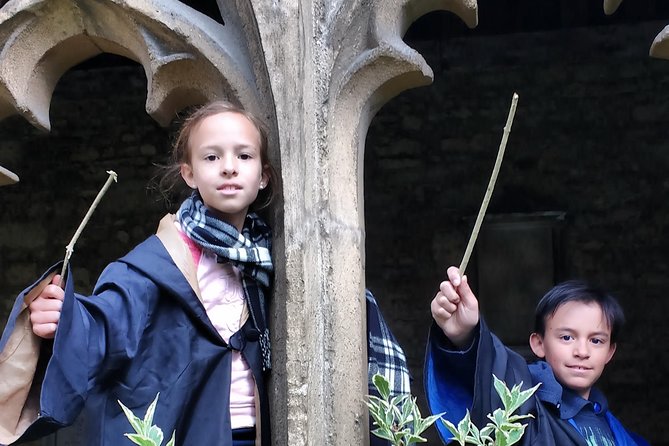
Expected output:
{"points": [[229, 165]]}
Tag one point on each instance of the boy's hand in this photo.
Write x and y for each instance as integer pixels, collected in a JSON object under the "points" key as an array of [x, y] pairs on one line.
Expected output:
{"points": [[455, 309], [45, 309]]}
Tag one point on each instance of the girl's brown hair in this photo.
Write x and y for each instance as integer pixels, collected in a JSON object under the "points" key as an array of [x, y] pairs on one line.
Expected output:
{"points": [[170, 181]]}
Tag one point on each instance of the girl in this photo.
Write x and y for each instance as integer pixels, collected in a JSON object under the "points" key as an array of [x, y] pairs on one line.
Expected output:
{"points": [[183, 314]]}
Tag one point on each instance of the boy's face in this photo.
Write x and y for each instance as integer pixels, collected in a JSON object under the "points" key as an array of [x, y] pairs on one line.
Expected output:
{"points": [[576, 344]]}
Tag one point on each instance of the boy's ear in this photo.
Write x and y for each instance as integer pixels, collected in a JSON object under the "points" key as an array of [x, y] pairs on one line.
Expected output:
{"points": [[537, 345], [612, 350], [187, 174]]}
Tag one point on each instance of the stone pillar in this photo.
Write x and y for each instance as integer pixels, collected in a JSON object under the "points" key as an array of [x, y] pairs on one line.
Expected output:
{"points": [[332, 65]]}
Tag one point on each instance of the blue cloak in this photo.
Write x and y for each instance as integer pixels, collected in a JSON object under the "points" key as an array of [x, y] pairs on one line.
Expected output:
{"points": [[142, 332], [459, 380]]}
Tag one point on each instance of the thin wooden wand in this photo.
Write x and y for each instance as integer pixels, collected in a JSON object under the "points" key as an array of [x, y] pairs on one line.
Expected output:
{"points": [[491, 186], [69, 249]]}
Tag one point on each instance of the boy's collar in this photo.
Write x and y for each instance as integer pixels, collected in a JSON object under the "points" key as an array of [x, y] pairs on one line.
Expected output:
{"points": [[572, 403], [566, 401]]}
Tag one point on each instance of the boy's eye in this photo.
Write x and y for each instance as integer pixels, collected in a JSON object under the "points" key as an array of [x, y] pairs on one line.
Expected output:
{"points": [[565, 337], [244, 156], [210, 157]]}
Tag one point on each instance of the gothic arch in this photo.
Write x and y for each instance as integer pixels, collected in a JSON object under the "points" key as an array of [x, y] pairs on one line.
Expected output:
{"points": [[660, 46], [610, 6], [382, 67], [186, 56]]}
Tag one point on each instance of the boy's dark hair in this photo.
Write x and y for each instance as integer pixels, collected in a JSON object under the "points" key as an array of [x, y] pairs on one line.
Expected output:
{"points": [[579, 291]]}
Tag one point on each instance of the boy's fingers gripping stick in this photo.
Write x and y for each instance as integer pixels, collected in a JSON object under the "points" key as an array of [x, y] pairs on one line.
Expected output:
{"points": [[491, 185]]}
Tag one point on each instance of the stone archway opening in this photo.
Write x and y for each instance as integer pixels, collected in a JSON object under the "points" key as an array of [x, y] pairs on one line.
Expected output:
{"points": [[591, 100]]}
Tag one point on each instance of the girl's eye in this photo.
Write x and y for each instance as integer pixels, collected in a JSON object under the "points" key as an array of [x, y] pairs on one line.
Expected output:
{"points": [[565, 337], [597, 341], [210, 157], [244, 156]]}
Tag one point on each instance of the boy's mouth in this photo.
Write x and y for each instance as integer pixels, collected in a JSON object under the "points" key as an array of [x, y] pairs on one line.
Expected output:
{"points": [[578, 367]]}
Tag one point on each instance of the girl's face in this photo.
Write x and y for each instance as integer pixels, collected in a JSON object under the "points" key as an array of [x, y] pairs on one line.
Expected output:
{"points": [[225, 165]]}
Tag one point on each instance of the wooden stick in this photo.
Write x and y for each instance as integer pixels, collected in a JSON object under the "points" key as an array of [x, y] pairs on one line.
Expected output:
{"points": [[69, 249], [491, 186]]}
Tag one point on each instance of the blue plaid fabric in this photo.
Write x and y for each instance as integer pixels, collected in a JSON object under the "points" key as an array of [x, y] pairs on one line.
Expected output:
{"points": [[385, 356], [249, 250]]}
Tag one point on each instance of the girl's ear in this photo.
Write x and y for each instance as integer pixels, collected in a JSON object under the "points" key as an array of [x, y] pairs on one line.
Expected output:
{"points": [[537, 345], [264, 177], [187, 174]]}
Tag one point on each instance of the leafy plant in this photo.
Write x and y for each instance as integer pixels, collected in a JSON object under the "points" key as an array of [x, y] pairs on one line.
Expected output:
{"points": [[146, 434], [504, 428], [397, 418]]}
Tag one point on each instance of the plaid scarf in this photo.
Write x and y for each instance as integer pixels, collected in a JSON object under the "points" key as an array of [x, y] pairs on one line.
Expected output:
{"points": [[385, 355], [249, 251]]}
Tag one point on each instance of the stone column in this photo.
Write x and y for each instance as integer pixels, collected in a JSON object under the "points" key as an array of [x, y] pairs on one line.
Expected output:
{"points": [[332, 65]]}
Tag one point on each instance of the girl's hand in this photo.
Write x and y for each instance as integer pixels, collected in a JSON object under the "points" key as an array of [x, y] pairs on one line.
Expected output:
{"points": [[45, 309], [455, 309]]}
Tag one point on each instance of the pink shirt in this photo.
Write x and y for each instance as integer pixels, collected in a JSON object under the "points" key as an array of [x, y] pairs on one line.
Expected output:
{"points": [[223, 299]]}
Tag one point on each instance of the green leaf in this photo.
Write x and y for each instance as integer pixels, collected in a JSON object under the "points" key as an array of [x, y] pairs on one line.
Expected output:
{"points": [[522, 397], [381, 384], [141, 440], [156, 435], [454, 431], [412, 438], [487, 431], [171, 442], [135, 422], [464, 425], [385, 433], [514, 398], [502, 390], [148, 416], [421, 425], [498, 417], [516, 434], [514, 418]]}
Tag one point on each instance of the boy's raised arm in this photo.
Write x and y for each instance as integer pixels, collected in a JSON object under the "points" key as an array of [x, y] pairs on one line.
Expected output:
{"points": [[455, 309]]}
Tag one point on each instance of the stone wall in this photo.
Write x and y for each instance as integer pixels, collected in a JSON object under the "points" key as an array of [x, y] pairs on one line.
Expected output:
{"points": [[589, 139], [98, 124]]}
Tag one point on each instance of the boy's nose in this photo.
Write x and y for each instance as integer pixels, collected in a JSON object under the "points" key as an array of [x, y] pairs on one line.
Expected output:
{"points": [[581, 349]]}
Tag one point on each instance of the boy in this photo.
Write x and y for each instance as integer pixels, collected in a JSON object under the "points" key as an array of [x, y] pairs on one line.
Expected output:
{"points": [[576, 328]]}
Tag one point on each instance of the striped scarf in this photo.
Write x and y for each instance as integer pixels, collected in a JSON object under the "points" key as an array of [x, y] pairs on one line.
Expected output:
{"points": [[249, 250]]}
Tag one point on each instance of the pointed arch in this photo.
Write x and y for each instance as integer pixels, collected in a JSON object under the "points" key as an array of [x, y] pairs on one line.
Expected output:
{"points": [[186, 56], [660, 46], [382, 67]]}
